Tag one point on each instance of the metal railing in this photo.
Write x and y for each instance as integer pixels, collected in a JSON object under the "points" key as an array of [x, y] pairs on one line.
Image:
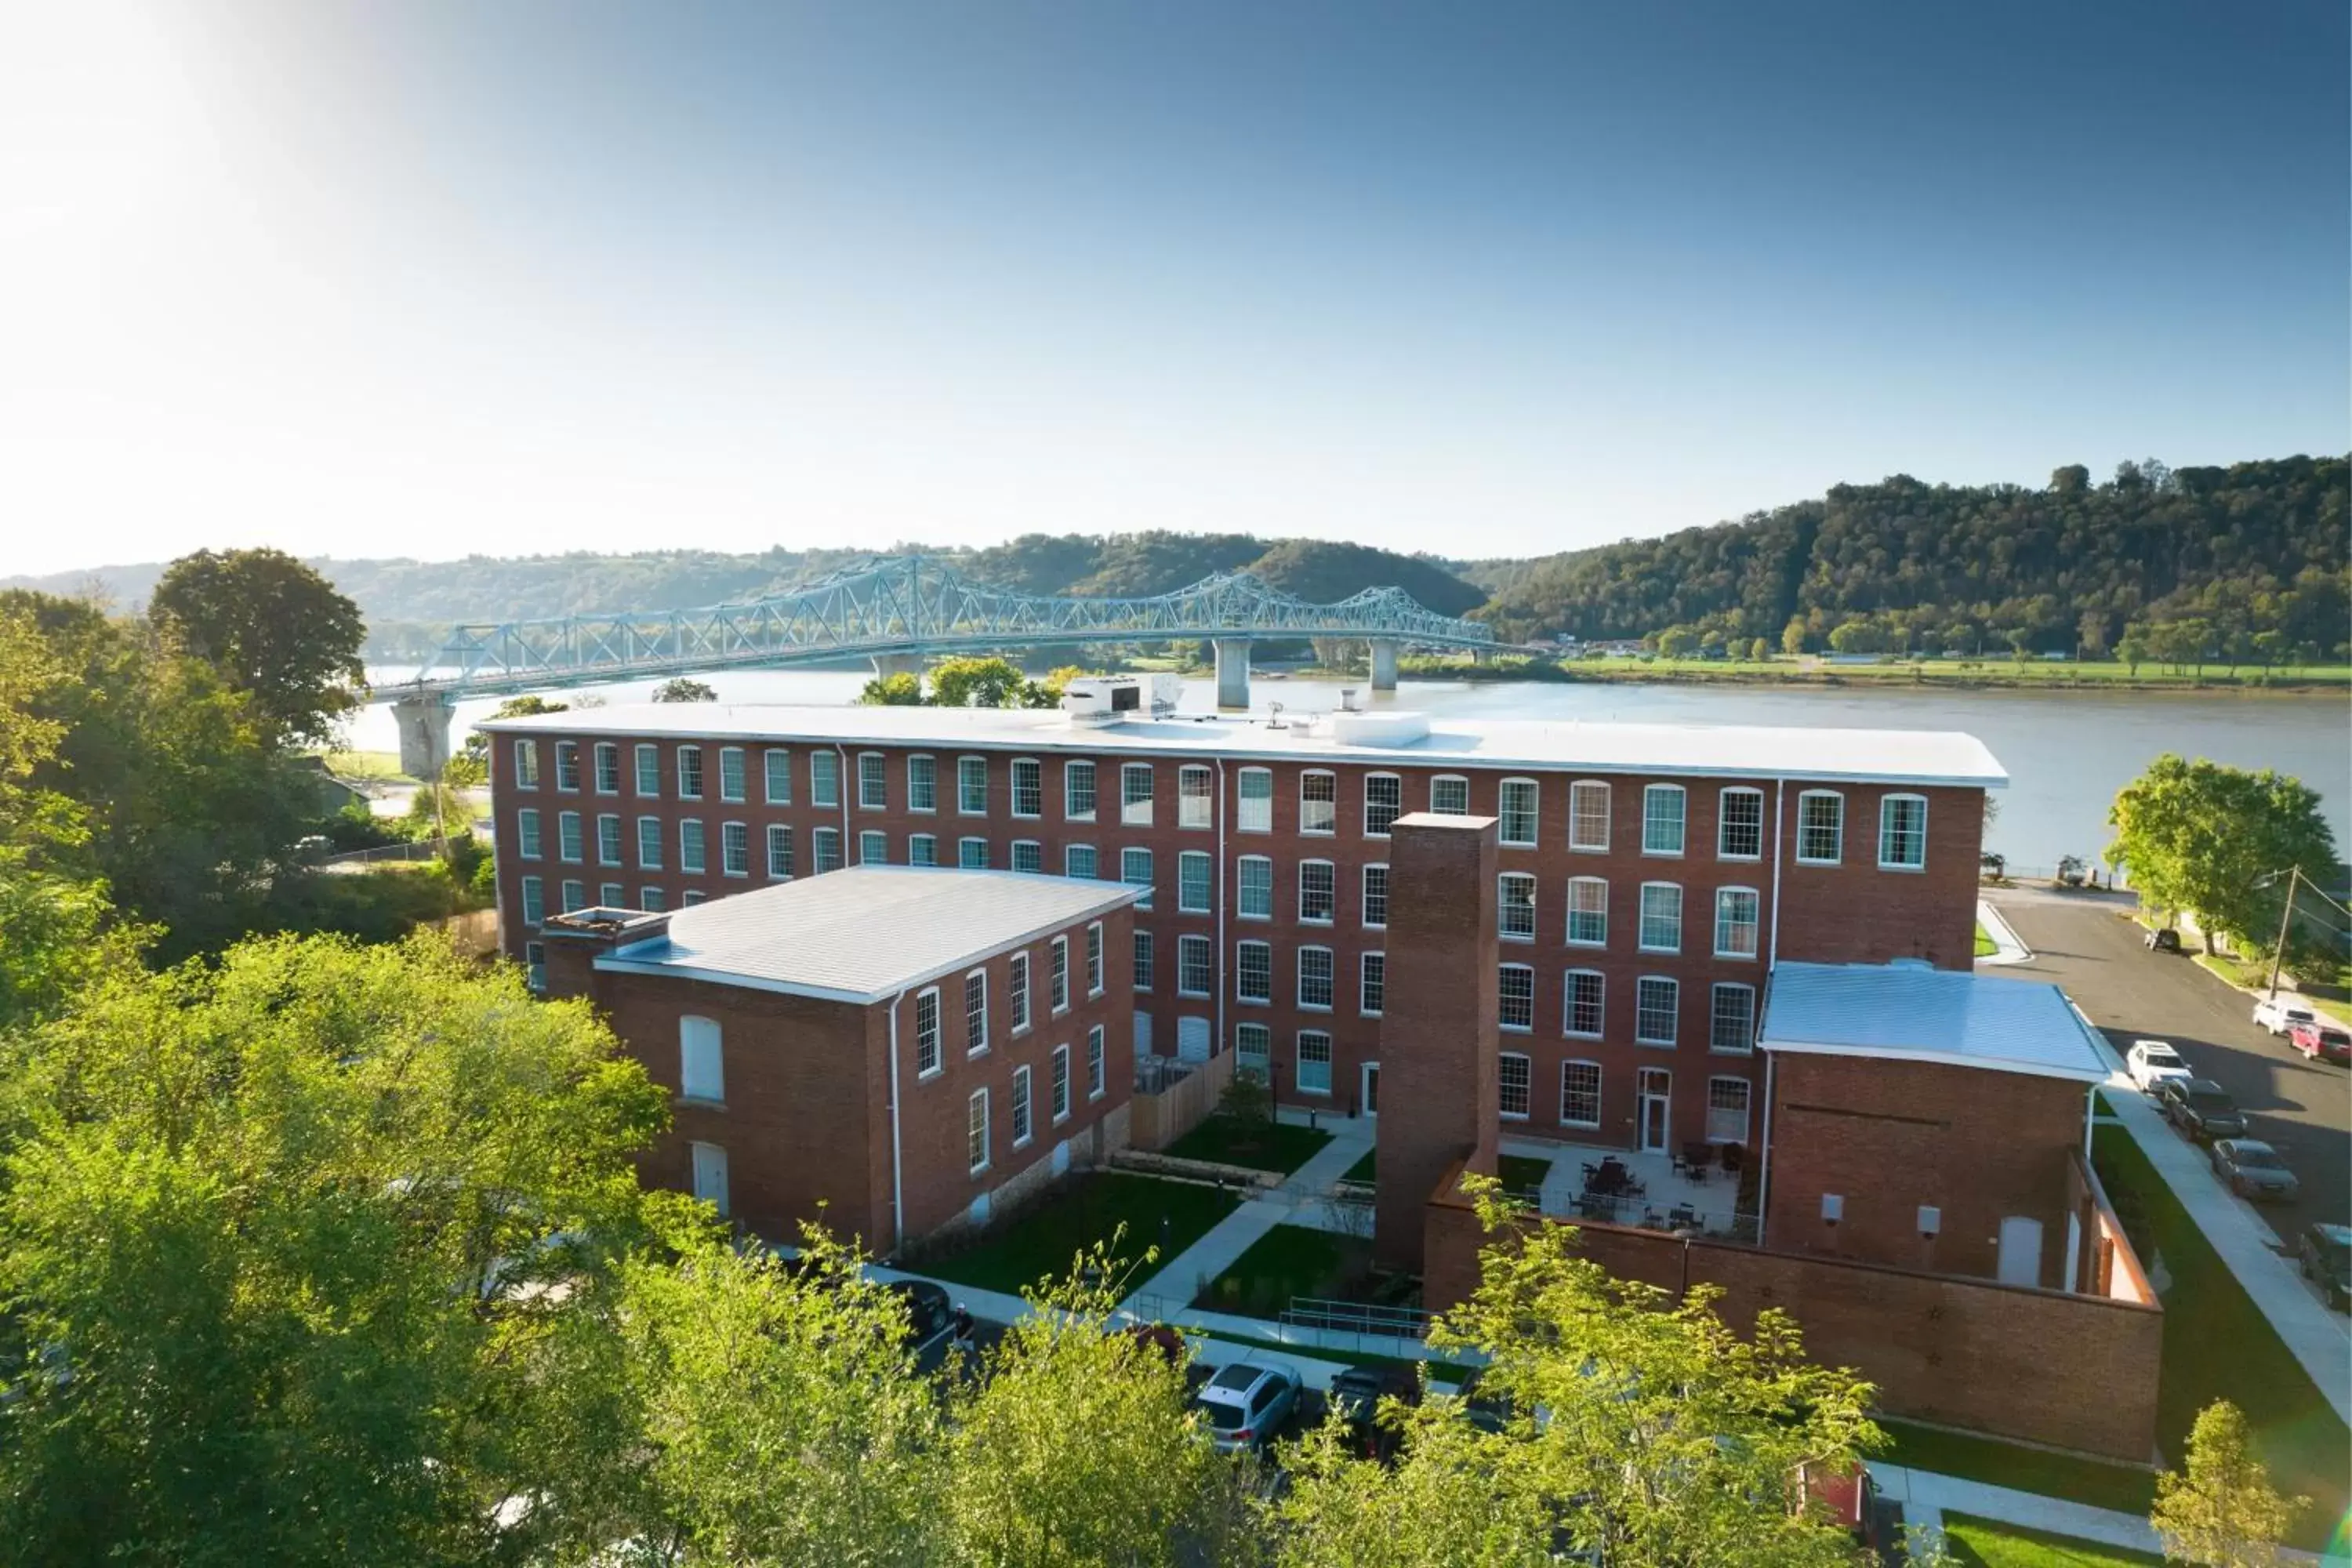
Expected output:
{"points": [[1654, 1214], [1155, 1074], [1357, 1318]]}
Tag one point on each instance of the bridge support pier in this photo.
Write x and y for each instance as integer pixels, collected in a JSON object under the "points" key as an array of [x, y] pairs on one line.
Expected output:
{"points": [[423, 725], [1232, 671], [1482, 656], [889, 664], [1384, 660]]}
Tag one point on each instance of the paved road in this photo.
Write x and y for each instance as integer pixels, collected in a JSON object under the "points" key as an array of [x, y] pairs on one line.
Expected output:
{"points": [[2302, 1108]]}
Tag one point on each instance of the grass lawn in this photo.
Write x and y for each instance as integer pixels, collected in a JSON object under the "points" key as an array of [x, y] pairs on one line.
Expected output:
{"points": [[1522, 1174], [2255, 975], [2218, 1345], [1981, 1543], [1042, 1242], [1986, 946], [1286, 1261], [1260, 1145], [1363, 1170], [2000, 1464], [380, 767]]}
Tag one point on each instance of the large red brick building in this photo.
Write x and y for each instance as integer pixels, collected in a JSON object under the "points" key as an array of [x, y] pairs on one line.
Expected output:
{"points": [[1647, 878]]}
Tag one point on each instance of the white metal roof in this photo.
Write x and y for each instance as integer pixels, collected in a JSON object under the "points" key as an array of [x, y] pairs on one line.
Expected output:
{"points": [[1900, 1012], [1919, 757], [864, 933]]}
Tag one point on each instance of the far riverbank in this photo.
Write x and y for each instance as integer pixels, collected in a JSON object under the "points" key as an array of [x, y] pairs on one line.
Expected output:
{"points": [[1936, 674]]}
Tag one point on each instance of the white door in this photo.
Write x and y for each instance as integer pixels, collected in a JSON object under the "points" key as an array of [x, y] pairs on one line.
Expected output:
{"points": [[1650, 1112], [1372, 1102], [2021, 1251], [710, 1174], [1142, 1035], [1191, 1039]]}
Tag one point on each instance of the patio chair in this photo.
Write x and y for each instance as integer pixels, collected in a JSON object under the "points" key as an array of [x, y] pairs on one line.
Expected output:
{"points": [[1682, 1216]]}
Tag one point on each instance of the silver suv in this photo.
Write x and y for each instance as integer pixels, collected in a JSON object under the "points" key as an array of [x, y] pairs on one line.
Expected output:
{"points": [[1246, 1403]]}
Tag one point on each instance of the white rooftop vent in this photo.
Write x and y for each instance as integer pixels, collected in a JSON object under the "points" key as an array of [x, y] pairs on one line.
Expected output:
{"points": [[1093, 699], [1356, 729]]}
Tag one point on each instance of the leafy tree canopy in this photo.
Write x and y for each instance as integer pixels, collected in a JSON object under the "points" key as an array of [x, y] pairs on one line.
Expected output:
{"points": [[2224, 1512], [2217, 841], [275, 629], [684, 689]]}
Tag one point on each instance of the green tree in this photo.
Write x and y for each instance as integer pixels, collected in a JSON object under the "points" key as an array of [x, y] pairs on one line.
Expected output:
{"points": [[2223, 1513], [276, 630], [901, 691], [2133, 649], [1792, 637], [1677, 642], [2205, 838], [1760, 650], [978, 683], [2020, 644], [684, 689], [1854, 637]]}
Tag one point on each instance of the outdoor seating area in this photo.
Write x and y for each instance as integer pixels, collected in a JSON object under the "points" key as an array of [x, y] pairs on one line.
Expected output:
{"points": [[1696, 1190]]}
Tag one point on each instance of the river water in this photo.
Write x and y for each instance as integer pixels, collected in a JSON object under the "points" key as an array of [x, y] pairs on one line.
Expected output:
{"points": [[2067, 753]]}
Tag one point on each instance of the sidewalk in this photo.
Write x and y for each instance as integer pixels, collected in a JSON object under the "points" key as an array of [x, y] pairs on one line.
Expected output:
{"points": [[1927, 1496], [2008, 947]]}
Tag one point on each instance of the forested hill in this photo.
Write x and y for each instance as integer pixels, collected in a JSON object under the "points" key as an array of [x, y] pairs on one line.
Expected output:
{"points": [[2257, 547]]}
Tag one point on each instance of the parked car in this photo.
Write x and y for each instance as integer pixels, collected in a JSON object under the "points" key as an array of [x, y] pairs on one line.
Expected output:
{"points": [[2278, 1015], [2252, 1168], [2201, 1107], [2321, 1042], [926, 1310], [2163, 939], [1356, 1395], [1246, 1403], [2326, 1253], [2150, 1062]]}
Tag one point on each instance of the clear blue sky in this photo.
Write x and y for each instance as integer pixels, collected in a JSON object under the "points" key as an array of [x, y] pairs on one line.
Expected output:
{"points": [[1489, 280]]}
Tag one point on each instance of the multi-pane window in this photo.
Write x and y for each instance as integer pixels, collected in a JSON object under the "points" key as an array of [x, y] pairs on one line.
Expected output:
{"points": [[1094, 959], [1821, 828], [1078, 791], [608, 768], [1519, 812], [1144, 965], [1588, 815], [1028, 787], [1518, 996], [780, 850], [922, 784], [1726, 1111], [575, 896], [1587, 911], [1581, 1011], [927, 1031], [1514, 1078], [567, 835], [613, 896], [824, 779], [776, 767], [1135, 869], [828, 850], [1020, 1106], [1657, 1003], [1028, 854], [1903, 832], [1195, 797], [608, 840], [567, 764], [527, 843], [526, 763], [534, 900], [971, 785], [975, 1012], [1315, 986], [730, 773], [735, 849], [976, 1136], [690, 857], [1097, 1079], [1135, 795], [692, 897], [1514, 906], [1079, 861], [648, 769], [1314, 1062], [1194, 870], [1449, 796], [653, 900], [1372, 994], [1254, 971], [1057, 974], [1252, 1050], [649, 844], [1735, 922], [1318, 894], [1017, 989], [1579, 1094], [1192, 967], [1383, 802], [1318, 802], [971, 854], [701, 1063], [1739, 832], [873, 848], [922, 849], [1663, 811], [1253, 792], [1732, 1023], [1662, 917], [1254, 888], [873, 782], [689, 773], [1376, 895], [1059, 1083]]}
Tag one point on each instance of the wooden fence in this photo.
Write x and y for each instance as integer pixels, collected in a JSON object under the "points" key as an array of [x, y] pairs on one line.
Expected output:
{"points": [[1173, 1106]]}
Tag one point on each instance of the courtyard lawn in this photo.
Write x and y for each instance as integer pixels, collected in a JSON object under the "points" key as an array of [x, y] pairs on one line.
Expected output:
{"points": [[2218, 1345], [1986, 946], [1982, 1543], [1289, 1260], [1996, 1463], [1365, 1169], [1043, 1242], [1259, 1145]]}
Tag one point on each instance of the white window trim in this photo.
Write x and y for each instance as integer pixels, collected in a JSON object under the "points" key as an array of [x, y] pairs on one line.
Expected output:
{"points": [[561, 746], [1059, 958], [1568, 1005], [1530, 1063], [1332, 966], [1805, 795], [873, 836], [1136, 813], [1641, 921], [1024, 1101], [1642, 1039], [978, 838], [1363, 961], [1568, 934], [1436, 779], [619, 842], [1715, 936], [1266, 1000], [828, 758], [1535, 913], [938, 1022], [1240, 913], [1529, 970], [986, 1130], [1021, 843], [1013, 788], [1098, 960], [1060, 1059], [571, 841], [1600, 1078], [1364, 898], [1209, 801], [975, 1046], [1747, 1108], [931, 838], [596, 766], [768, 774], [882, 775], [1750, 1048], [1398, 779], [961, 809], [1209, 883], [1534, 828], [696, 823], [1608, 815], [521, 748], [1683, 794], [660, 845], [1098, 1053], [679, 763], [791, 851], [1303, 918], [1241, 800], [1723, 821], [724, 868], [1020, 1005], [743, 774], [1304, 831], [530, 845], [1298, 1055], [1182, 944], [686, 1092], [1096, 773], [636, 767], [1884, 863], [932, 809]]}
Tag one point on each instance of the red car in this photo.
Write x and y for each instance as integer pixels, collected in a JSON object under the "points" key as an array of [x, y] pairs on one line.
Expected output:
{"points": [[2321, 1042]]}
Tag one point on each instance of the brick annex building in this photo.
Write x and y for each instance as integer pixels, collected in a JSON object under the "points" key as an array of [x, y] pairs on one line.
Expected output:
{"points": [[1648, 877]]}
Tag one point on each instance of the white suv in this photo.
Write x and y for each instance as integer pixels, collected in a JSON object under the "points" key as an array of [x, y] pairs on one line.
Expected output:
{"points": [[2280, 1016], [1246, 1403], [2150, 1062]]}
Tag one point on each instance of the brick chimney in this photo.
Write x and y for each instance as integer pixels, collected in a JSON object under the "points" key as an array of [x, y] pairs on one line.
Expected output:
{"points": [[573, 942], [1439, 1041]]}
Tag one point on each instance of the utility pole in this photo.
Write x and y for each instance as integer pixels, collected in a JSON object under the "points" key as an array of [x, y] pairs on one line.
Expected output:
{"points": [[2286, 912]]}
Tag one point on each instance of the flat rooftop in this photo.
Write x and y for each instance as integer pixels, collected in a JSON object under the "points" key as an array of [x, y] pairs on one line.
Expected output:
{"points": [[1919, 757], [864, 933], [1904, 1012]]}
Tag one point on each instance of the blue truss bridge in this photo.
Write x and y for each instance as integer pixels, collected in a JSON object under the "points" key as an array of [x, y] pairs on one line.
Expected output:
{"points": [[898, 612]]}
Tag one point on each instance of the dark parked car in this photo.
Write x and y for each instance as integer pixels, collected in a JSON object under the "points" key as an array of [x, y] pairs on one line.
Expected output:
{"points": [[2326, 1251], [2252, 1168], [2199, 1107], [2163, 939], [1356, 1395], [926, 1310]]}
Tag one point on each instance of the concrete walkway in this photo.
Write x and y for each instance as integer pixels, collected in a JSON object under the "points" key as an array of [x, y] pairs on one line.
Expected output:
{"points": [[2008, 947], [1927, 1496]]}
